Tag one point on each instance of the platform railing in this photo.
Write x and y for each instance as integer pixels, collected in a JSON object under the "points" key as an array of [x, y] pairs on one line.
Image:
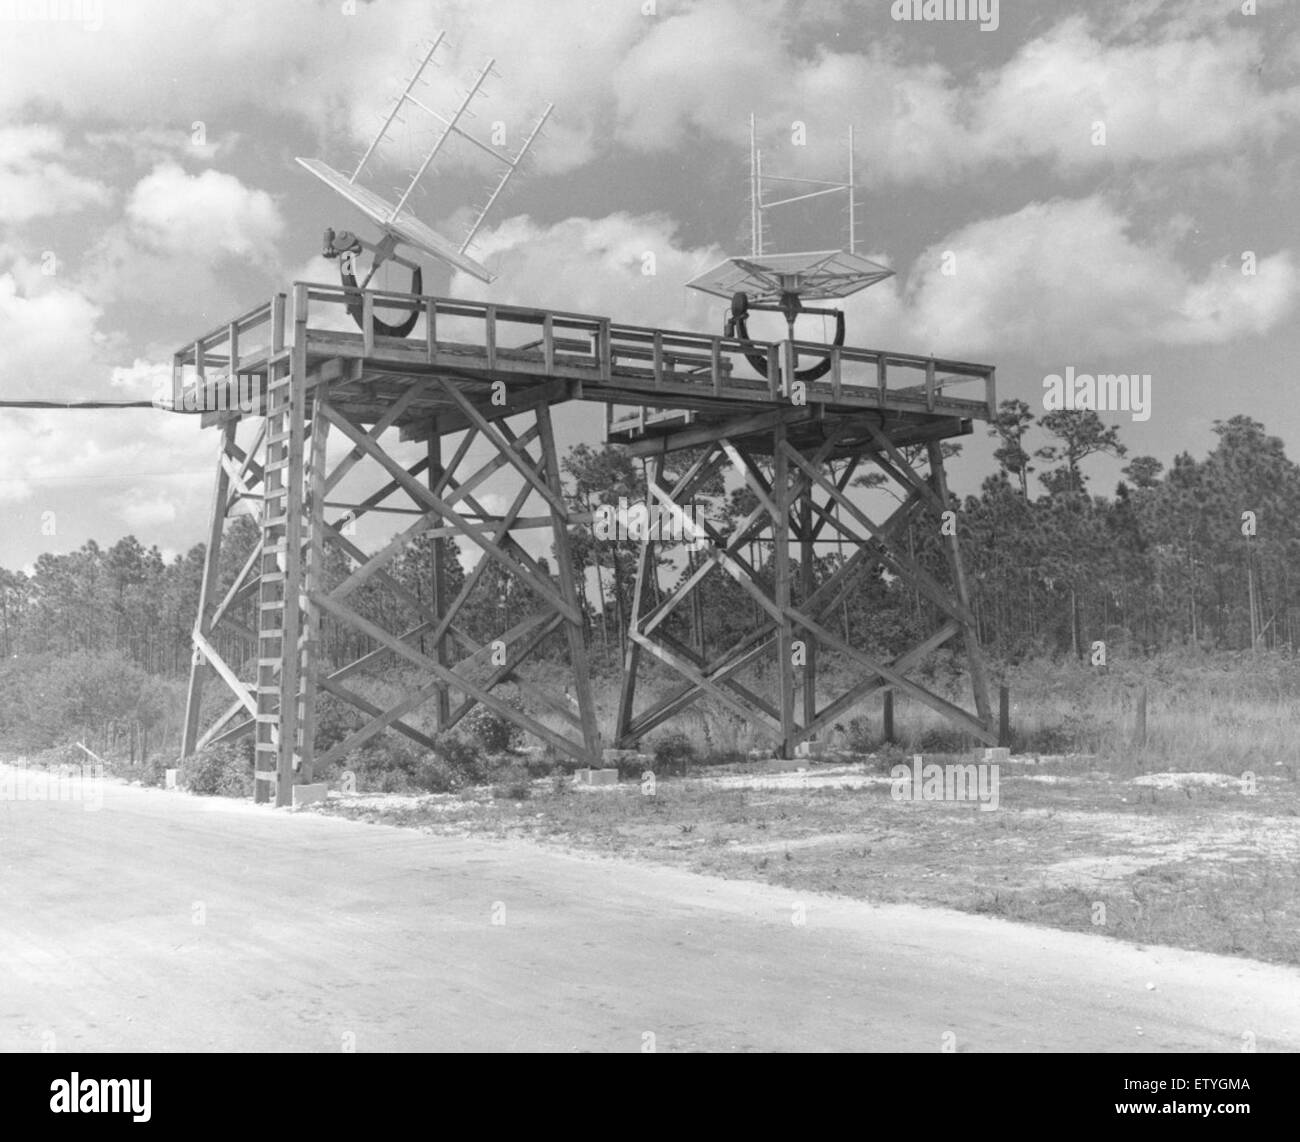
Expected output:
{"points": [[587, 346]]}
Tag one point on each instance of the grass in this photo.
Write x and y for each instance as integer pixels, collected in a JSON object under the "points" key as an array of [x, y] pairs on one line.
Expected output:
{"points": [[1209, 868], [1081, 840]]}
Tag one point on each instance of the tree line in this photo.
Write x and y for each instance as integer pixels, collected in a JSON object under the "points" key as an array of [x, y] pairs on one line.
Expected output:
{"points": [[1202, 553]]}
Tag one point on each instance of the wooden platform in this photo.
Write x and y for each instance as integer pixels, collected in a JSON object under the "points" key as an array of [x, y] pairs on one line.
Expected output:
{"points": [[652, 381], [302, 370]]}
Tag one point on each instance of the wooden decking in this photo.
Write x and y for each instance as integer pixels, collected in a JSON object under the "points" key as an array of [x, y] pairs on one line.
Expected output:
{"points": [[650, 380]]}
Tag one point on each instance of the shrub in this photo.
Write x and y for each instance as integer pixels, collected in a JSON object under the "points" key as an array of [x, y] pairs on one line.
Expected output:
{"points": [[462, 758], [673, 753], [220, 770], [437, 775], [492, 731], [858, 737], [386, 763], [1046, 739], [514, 784], [942, 739], [335, 721], [153, 771], [539, 766]]}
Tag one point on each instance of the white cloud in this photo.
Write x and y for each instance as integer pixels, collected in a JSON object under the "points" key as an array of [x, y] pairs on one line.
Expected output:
{"points": [[146, 511], [204, 215], [51, 339], [148, 468], [631, 268], [34, 184], [1164, 86], [1067, 277], [1182, 95]]}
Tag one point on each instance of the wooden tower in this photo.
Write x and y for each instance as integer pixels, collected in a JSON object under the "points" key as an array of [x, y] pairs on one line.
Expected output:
{"points": [[482, 377]]}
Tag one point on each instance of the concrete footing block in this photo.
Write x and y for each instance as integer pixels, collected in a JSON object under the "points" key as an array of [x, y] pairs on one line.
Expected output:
{"points": [[596, 776], [309, 794], [996, 754], [169, 778]]}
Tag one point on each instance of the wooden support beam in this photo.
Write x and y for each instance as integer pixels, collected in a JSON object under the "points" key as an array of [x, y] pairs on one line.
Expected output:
{"points": [[403, 650], [380, 720], [970, 635], [475, 534], [437, 481], [574, 627], [781, 574], [207, 588]]}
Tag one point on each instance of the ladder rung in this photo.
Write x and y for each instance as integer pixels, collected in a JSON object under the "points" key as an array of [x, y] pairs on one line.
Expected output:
{"points": [[266, 775]]}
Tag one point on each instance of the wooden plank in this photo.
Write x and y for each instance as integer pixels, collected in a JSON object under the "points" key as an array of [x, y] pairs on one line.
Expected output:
{"points": [[781, 585], [953, 713], [974, 656], [706, 685], [506, 449], [208, 585], [871, 684], [575, 627], [497, 705], [228, 676], [484, 541], [900, 563], [380, 720]]}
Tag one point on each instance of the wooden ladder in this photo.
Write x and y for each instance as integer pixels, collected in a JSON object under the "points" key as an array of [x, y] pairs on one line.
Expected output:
{"points": [[277, 738]]}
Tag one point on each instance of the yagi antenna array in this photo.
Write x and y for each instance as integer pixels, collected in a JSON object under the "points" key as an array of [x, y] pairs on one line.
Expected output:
{"points": [[395, 220], [782, 283]]}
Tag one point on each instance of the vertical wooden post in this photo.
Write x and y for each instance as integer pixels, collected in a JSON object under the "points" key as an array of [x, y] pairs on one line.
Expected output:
{"points": [[807, 581], [974, 656], [632, 653], [439, 584], [1004, 715], [294, 479], [430, 329], [568, 589], [312, 582], [890, 736], [781, 586], [277, 326], [207, 588], [1140, 730]]}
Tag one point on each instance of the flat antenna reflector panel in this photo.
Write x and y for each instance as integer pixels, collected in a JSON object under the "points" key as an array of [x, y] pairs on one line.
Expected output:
{"points": [[822, 275], [403, 226]]}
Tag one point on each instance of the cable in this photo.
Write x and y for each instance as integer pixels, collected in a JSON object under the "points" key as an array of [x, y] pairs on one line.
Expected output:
{"points": [[95, 404], [75, 404]]}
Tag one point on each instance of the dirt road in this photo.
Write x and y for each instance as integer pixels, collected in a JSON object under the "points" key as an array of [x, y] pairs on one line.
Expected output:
{"points": [[164, 922]]}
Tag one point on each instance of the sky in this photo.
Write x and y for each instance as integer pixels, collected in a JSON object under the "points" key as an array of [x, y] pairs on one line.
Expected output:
{"points": [[1107, 187]]}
